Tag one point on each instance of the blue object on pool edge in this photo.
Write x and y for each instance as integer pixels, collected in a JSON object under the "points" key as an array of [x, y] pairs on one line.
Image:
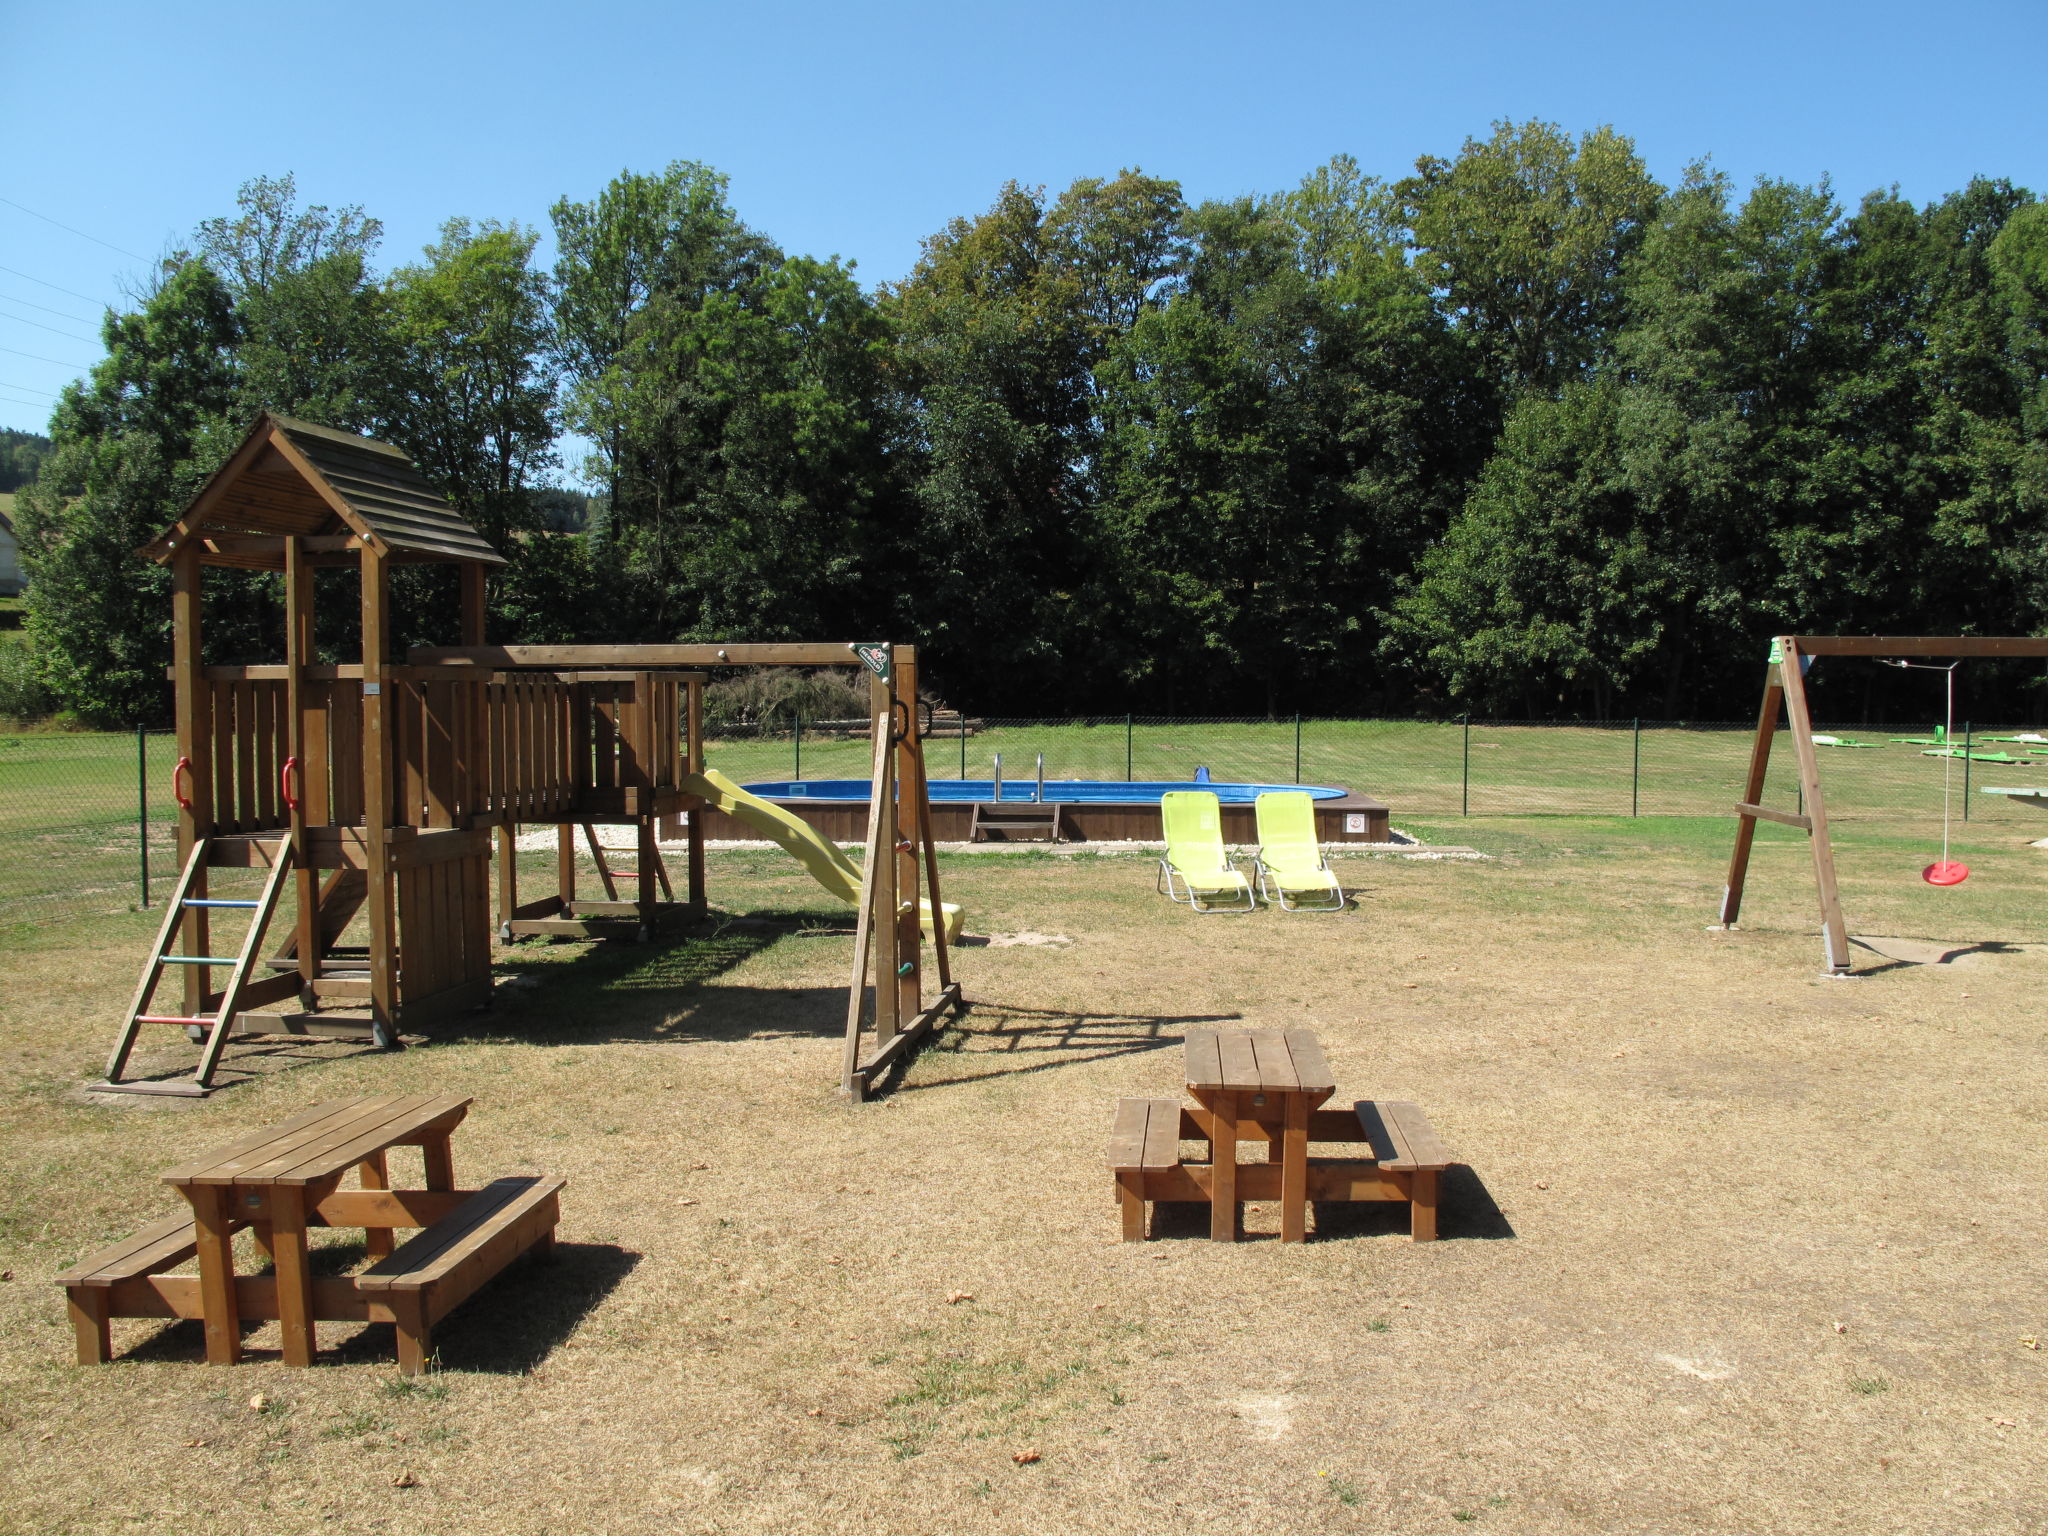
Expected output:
{"points": [[1057, 791], [1202, 774]]}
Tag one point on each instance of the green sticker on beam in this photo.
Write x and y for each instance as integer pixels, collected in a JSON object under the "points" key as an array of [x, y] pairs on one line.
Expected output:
{"points": [[875, 657], [1777, 652]]}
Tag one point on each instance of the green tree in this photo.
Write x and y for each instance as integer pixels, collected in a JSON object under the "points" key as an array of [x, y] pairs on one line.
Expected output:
{"points": [[1525, 236], [132, 443], [470, 392]]}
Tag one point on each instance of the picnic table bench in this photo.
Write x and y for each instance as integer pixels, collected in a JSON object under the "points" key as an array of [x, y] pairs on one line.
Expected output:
{"points": [[284, 1180], [1268, 1085]]}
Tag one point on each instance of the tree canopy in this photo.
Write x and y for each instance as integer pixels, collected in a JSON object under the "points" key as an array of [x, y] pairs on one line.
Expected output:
{"points": [[1523, 431]]}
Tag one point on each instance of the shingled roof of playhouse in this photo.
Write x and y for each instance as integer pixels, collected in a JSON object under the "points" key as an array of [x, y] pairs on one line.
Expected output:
{"points": [[294, 479]]}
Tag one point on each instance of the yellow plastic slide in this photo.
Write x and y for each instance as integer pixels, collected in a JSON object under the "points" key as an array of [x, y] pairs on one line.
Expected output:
{"points": [[821, 858]]}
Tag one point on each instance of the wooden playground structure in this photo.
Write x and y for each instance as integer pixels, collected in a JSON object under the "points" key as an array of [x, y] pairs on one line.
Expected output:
{"points": [[1785, 693], [373, 788]]}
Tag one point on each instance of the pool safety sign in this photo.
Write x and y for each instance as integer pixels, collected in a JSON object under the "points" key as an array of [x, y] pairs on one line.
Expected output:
{"points": [[1354, 821], [875, 657]]}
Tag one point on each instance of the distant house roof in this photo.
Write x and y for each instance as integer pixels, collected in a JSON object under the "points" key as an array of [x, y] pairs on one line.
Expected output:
{"points": [[296, 479], [6, 512]]}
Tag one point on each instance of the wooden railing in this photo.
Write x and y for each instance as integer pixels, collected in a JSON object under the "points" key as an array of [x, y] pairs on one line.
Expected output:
{"points": [[465, 750]]}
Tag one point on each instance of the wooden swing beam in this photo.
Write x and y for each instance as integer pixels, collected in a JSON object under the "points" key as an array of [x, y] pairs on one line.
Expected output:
{"points": [[1785, 692]]}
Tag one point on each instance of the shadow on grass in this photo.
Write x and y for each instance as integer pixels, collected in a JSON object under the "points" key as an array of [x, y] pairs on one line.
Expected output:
{"points": [[1465, 1210], [1904, 954], [662, 991], [1005, 1040], [507, 1328]]}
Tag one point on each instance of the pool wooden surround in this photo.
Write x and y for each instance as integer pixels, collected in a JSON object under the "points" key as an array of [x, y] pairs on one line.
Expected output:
{"points": [[1351, 818]]}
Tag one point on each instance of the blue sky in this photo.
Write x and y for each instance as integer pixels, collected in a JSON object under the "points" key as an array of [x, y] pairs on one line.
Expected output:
{"points": [[857, 130]]}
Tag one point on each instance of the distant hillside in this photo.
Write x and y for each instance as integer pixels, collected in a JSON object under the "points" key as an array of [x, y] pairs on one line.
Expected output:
{"points": [[21, 454]]}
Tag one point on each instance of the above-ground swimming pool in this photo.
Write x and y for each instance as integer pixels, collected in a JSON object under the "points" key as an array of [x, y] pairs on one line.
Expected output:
{"points": [[1025, 791], [1091, 810]]}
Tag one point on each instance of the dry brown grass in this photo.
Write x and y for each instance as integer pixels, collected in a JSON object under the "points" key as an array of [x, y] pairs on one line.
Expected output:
{"points": [[1690, 1160]]}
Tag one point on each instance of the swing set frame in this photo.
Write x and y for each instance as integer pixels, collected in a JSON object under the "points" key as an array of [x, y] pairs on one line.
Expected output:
{"points": [[1785, 692]]}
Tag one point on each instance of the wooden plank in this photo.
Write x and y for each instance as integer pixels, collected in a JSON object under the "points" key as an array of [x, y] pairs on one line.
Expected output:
{"points": [[222, 1164], [636, 657], [427, 1119], [914, 1030], [1161, 1146], [1203, 1059], [852, 1080], [1970, 646], [161, 1244], [386, 1208], [214, 1231], [1240, 1061], [381, 898], [1275, 1062], [293, 1273], [1834, 928], [1311, 1066], [194, 706], [1766, 813], [437, 1252], [1127, 1133], [1293, 1149], [1223, 1170], [1417, 1138]]}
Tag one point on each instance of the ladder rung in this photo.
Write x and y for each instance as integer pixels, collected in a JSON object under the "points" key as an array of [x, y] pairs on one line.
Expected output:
{"points": [[207, 901], [171, 1018], [196, 959]]}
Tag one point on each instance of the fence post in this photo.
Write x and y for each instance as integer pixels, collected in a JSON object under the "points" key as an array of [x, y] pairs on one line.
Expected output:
{"points": [[142, 809], [1635, 780], [963, 744], [797, 742], [1297, 746], [1465, 771], [1128, 723], [1966, 769]]}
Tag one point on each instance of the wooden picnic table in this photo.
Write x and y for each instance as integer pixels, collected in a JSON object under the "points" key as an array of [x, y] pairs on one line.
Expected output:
{"points": [[278, 1178], [1257, 1084], [285, 1179]]}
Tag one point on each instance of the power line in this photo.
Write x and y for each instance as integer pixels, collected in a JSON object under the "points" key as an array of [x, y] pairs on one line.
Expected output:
{"points": [[64, 313], [16, 271], [81, 367], [20, 320], [95, 239], [24, 389]]}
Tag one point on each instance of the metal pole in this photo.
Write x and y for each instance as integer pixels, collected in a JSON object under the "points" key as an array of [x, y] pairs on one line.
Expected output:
{"points": [[1297, 746], [1966, 769], [1635, 783], [797, 738], [142, 809], [1465, 775], [963, 744], [1127, 747]]}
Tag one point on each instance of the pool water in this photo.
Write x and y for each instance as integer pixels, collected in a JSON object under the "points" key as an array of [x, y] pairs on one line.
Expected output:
{"points": [[1057, 791]]}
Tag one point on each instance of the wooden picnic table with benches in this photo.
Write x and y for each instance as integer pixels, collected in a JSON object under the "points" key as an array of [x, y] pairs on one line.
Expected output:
{"points": [[286, 1179], [1268, 1085]]}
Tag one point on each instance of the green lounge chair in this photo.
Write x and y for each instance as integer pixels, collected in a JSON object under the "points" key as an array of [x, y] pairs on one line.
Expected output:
{"points": [[1293, 874], [1193, 823]]}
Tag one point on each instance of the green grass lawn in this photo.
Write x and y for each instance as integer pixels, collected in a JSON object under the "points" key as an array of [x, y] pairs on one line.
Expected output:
{"points": [[69, 830]]}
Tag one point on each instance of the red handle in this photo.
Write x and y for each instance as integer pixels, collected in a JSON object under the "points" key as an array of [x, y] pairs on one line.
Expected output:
{"points": [[184, 800], [284, 784]]}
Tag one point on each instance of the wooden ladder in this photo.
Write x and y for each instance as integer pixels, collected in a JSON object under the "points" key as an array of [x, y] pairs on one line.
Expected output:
{"points": [[1015, 821], [611, 876], [211, 1030]]}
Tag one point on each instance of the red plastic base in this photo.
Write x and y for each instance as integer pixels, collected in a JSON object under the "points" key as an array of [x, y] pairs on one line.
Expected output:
{"points": [[1945, 872]]}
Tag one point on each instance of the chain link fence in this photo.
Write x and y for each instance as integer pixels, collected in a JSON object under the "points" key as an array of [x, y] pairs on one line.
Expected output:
{"points": [[87, 823]]}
